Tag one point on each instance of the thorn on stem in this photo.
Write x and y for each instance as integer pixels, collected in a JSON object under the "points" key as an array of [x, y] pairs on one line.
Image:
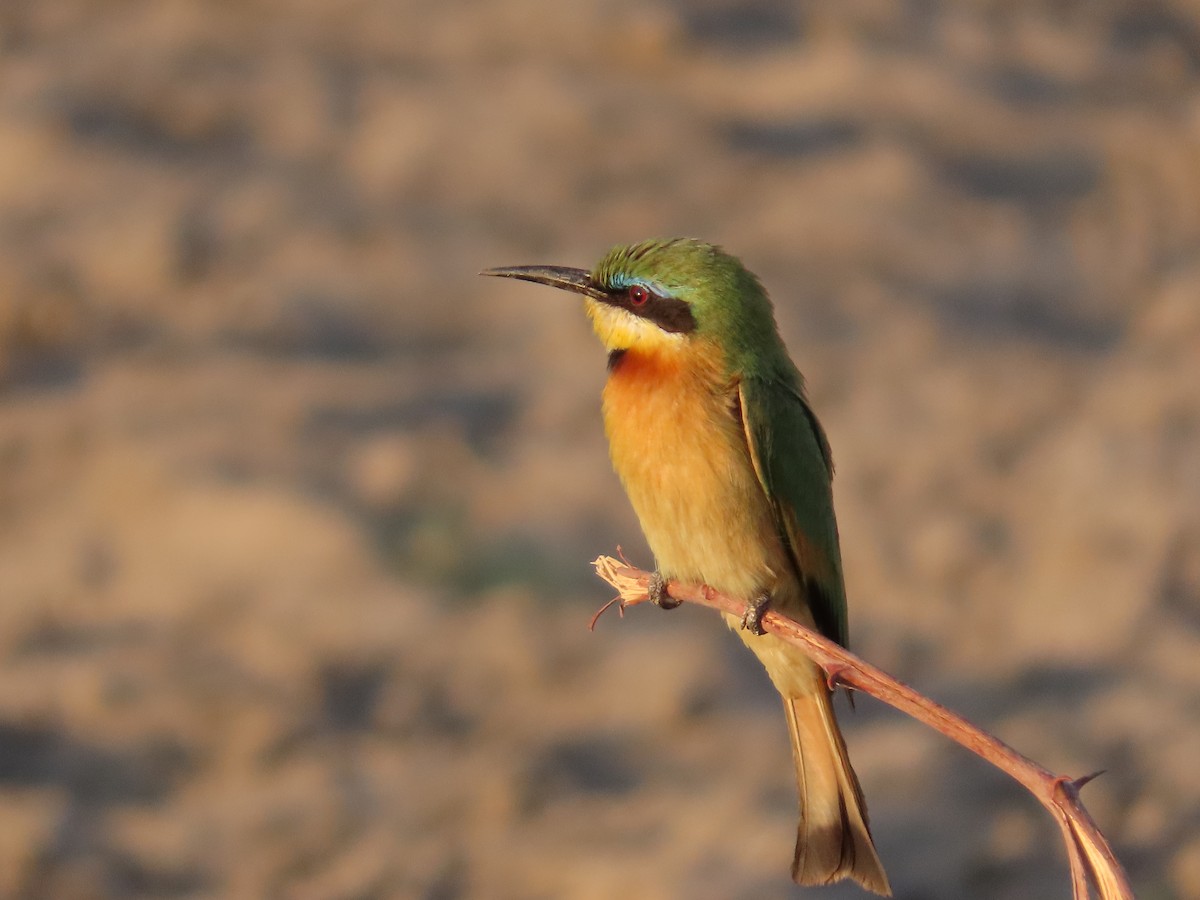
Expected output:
{"points": [[1080, 782], [1071, 786]]}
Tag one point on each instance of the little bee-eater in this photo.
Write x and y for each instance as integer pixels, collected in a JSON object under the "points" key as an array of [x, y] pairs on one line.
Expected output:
{"points": [[730, 474]]}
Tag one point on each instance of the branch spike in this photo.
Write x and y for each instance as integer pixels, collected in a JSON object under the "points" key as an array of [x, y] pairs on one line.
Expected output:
{"points": [[1084, 779]]}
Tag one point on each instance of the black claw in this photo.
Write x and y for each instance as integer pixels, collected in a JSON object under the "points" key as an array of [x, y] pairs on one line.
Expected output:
{"points": [[833, 677], [752, 617], [656, 590]]}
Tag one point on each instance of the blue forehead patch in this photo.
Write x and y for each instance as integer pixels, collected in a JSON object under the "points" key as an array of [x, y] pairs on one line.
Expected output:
{"points": [[622, 280]]}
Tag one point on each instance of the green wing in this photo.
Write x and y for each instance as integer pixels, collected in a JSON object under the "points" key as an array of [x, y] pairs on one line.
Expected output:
{"points": [[791, 457]]}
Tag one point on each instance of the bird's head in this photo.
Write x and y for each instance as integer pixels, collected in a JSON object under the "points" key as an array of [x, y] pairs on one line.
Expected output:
{"points": [[664, 295]]}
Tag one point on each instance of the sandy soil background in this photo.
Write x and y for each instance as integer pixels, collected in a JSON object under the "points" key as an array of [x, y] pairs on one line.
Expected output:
{"points": [[295, 510]]}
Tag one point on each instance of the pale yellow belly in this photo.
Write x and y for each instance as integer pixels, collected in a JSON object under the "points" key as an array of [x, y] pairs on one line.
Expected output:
{"points": [[682, 457], [700, 505]]}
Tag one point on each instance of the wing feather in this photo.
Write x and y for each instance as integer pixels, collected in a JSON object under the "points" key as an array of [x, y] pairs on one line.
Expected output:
{"points": [[793, 463]]}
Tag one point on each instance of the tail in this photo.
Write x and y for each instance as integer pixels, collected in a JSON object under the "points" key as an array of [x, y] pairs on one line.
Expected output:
{"points": [[833, 840]]}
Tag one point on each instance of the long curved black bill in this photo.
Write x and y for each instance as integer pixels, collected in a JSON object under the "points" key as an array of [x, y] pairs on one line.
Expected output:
{"points": [[578, 281]]}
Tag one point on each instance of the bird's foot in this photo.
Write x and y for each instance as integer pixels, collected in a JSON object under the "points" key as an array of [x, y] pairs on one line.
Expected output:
{"points": [[834, 677], [752, 617], [656, 592]]}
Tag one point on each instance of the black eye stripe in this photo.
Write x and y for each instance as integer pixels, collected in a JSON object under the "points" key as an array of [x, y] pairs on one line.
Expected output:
{"points": [[668, 313]]}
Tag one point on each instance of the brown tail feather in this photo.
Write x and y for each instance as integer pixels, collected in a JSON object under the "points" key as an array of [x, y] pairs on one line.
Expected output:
{"points": [[834, 839]]}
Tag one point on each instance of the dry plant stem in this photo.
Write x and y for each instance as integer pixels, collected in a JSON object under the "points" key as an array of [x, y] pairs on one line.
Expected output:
{"points": [[1091, 859]]}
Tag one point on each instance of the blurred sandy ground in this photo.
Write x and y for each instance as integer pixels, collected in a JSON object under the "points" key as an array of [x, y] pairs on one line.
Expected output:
{"points": [[295, 511]]}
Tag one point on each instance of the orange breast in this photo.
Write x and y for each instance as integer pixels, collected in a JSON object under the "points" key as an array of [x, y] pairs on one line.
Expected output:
{"points": [[679, 449]]}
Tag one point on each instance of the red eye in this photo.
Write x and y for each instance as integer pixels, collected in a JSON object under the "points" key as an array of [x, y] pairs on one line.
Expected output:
{"points": [[638, 295]]}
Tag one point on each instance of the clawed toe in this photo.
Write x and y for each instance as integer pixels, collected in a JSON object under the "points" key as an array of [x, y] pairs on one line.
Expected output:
{"points": [[755, 609], [656, 590]]}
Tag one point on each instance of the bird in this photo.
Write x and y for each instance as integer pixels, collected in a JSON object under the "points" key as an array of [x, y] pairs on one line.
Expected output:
{"points": [[729, 472]]}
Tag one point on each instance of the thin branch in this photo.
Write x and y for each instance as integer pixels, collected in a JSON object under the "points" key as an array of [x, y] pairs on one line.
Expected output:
{"points": [[1091, 859]]}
